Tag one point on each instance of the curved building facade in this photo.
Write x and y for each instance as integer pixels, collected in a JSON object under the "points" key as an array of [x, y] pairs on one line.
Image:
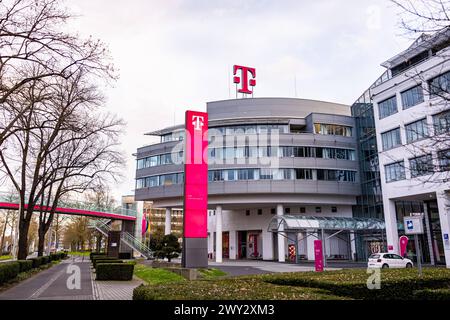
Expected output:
{"points": [[266, 157]]}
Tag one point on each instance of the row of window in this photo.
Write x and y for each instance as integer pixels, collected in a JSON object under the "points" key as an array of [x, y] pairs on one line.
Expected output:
{"points": [[252, 152], [416, 130], [252, 174], [332, 129], [281, 152], [437, 86], [418, 166]]}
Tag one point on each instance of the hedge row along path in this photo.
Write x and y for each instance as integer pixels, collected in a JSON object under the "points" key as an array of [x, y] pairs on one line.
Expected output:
{"points": [[51, 284]]}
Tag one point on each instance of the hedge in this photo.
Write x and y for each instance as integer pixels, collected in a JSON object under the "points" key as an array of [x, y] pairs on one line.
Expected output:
{"points": [[432, 294], [96, 262], [114, 271], [93, 254], [397, 284], [25, 265], [8, 271], [37, 261]]}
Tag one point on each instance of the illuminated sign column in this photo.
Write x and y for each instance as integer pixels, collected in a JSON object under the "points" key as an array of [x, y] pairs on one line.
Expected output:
{"points": [[195, 242]]}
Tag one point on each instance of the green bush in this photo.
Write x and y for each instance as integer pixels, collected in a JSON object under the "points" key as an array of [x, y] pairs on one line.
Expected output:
{"points": [[37, 261], [45, 259], [114, 271], [432, 294], [106, 261], [94, 254], [8, 271], [25, 265], [398, 284], [100, 257]]}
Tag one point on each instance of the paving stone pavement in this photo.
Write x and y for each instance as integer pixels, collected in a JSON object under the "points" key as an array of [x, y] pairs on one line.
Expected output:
{"points": [[115, 290]]}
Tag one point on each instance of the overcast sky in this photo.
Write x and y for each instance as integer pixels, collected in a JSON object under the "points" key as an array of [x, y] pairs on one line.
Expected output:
{"points": [[178, 54]]}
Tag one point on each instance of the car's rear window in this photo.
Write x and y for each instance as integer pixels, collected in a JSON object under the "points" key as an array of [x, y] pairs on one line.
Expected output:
{"points": [[374, 256]]}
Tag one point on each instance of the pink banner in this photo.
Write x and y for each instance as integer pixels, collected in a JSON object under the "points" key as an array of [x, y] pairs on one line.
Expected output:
{"points": [[318, 255], [403, 244], [196, 175]]}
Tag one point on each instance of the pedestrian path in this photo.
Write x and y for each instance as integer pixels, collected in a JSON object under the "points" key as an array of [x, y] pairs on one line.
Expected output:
{"points": [[69, 280], [72, 279]]}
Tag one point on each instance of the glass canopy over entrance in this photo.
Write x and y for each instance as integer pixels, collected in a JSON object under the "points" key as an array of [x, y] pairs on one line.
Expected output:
{"points": [[288, 223]]}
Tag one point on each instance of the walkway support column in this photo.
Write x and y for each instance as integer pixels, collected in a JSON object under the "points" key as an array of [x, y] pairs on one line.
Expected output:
{"points": [[281, 236], [444, 217], [219, 234], [428, 233], [353, 245], [168, 222]]}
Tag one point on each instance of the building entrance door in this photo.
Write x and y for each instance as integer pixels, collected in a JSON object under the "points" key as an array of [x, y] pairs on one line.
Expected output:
{"points": [[226, 244], [242, 244]]}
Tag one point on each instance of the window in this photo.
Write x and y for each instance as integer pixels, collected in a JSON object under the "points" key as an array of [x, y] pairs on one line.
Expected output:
{"points": [[412, 96], [387, 107], [395, 171], [440, 84], [303, 174], [391, 139], [247, 212], [287, 210], [336, 175], [420, 166], [331, 129], [259, 212], [303, 152], [302, 210], [441, 122], [416, 130], [333, 209], [272, 210], [318, 209], [444, 160]]}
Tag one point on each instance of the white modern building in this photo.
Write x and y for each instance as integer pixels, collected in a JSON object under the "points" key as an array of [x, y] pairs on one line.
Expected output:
{"points": [[282, 173], [411, 116]]}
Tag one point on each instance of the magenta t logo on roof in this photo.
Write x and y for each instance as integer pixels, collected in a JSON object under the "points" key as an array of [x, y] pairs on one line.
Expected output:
{"points": [[244, 78]]}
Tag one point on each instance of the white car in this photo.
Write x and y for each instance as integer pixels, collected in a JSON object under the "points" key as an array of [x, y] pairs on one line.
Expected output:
{"points": [[388, 260]]}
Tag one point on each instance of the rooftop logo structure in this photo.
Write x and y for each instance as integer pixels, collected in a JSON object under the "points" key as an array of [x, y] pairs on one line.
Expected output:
{"points": [[246, 80]]}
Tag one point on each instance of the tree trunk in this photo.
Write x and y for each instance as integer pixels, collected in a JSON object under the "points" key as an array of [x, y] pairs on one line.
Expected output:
{"points": [[41, 243], [3, 235], [24, 226]]}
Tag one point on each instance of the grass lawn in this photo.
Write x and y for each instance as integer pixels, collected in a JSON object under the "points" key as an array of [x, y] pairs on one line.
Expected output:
{"points": [[211, 273], [78, 253], [5, 257], [336, 285], [155, 276]]}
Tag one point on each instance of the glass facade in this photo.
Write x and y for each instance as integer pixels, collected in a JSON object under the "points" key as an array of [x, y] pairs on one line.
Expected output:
{"points": [[253, 174], [444, 160], [332, 129]]}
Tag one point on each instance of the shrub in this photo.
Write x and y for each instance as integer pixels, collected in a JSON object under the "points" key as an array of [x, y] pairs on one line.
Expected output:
{"points": [[106, 261], [432, 294], [143, 292], [97, 257], [45, 259], [8, 271], [114, 271], [125, 255], [399, 284], [25, 265], [37, 261], [94, 254]]}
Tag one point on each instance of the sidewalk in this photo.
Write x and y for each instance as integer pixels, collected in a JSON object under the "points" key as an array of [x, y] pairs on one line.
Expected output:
{"points": [[52, 284]]}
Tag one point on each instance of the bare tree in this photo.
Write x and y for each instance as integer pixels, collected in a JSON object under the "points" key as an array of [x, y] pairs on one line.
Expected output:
{"points": [[31, 39]]}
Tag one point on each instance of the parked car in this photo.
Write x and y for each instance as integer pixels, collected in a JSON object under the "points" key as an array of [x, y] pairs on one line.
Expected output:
{"points": [[388, 260]]}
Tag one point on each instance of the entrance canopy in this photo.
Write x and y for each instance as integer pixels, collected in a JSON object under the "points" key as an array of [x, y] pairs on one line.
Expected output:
{"points": [[288, 223]]}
